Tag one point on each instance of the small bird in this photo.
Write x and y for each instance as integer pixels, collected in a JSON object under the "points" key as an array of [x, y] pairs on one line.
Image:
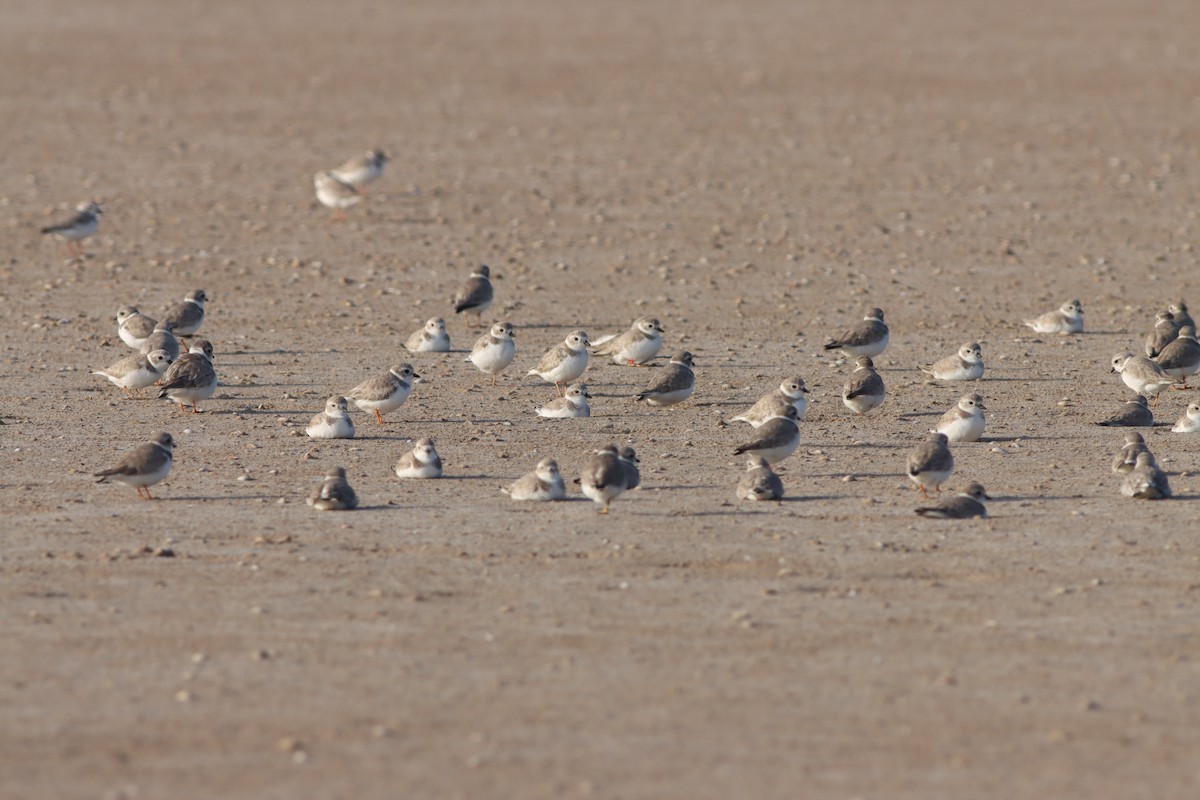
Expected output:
{"points": [[1132, 414], [385, 393], [1127, 458], [931, 463], [495, 350], [1146, 481], [605, 477], [136, 372], [759, 482], [144, 466], [422, 461], [186, 317], [332, 423], [334, 493], [1066, 320], [636, 346], [1142, 375], [133, 326], [432, 338], [565, 362], [965, 365], [1166, 330], [965, 505], [1181, 358], [161, 338], [867, 338], [1179, 310], [1190, 421], [629, 460], [791, 392], [191, 378], [364, 169], [573, 403], [475, 295], [543, 484], [965, 422], [864, 388], [335, 194], [775, 439], [674, 385], [80, 226]]}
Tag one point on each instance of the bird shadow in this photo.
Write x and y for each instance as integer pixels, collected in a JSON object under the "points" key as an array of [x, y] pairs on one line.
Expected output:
{"points": [[207, 498]]}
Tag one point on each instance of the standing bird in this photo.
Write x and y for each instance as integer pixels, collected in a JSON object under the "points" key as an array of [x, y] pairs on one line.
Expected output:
{"points": [[1127, 458], [136, 372], [495, 350], [636, 346], [385, 393], [475, 295], [1181, 358], [1132, 414], [334, 493], [161, 338], [674, 385], [432, 338], [422, 461], [1066, 320], [573, 403], [133, 326], [544, 484], [760, 482], [867, 338], [775, 439], [80, 226], [335, 194], [965, 422], [186, 317], [790, 392], [192, 378], [364, 169], [1179, 310], [965, 505], [1146, 481], [1166, 330], [1190, 421], [965, 365], [605, 477], [1142, 375], [565, 362], [144, 466], [332, 423], [931, 463], [864, 388]]}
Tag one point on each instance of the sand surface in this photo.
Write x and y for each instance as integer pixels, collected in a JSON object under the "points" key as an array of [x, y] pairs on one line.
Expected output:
{"points": [[753, 174]]}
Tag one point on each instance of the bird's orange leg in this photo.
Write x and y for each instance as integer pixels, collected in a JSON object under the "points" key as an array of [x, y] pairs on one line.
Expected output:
{"points": [[378, 417]]}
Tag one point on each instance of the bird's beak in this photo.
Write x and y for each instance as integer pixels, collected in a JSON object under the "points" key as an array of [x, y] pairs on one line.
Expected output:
{"points": [[805, 390]]}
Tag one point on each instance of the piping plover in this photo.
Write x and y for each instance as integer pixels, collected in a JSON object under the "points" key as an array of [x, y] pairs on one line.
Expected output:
{"points": [[565, 362], [1127, 458], [1190, 421], [1146, 481], [1142, 375], [759, 482], [422, 461], [335, 194], [144, 466], [1166, 330], [573, 403], [136, 372], [674, 385], [966, 504], [1066, 320], [161, 338], [965, 422], [1181, 358], [605, 477], [495, 350], [432, 338], [475, 295], [191, 378], [790, 392], [543, 484], [867, 338], [332, 423], [636, 346], [186, 317], [133, 326], [965, 365], [775, 439], [1132, 414], [931, 463], [334, 493], [364, 169], [80, 226], [630, 461], [1179, 310], [385, 393], [864, 388]]}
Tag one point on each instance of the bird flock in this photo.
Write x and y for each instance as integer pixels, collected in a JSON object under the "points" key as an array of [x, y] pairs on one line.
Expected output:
{"points": [[1170, 356]]}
